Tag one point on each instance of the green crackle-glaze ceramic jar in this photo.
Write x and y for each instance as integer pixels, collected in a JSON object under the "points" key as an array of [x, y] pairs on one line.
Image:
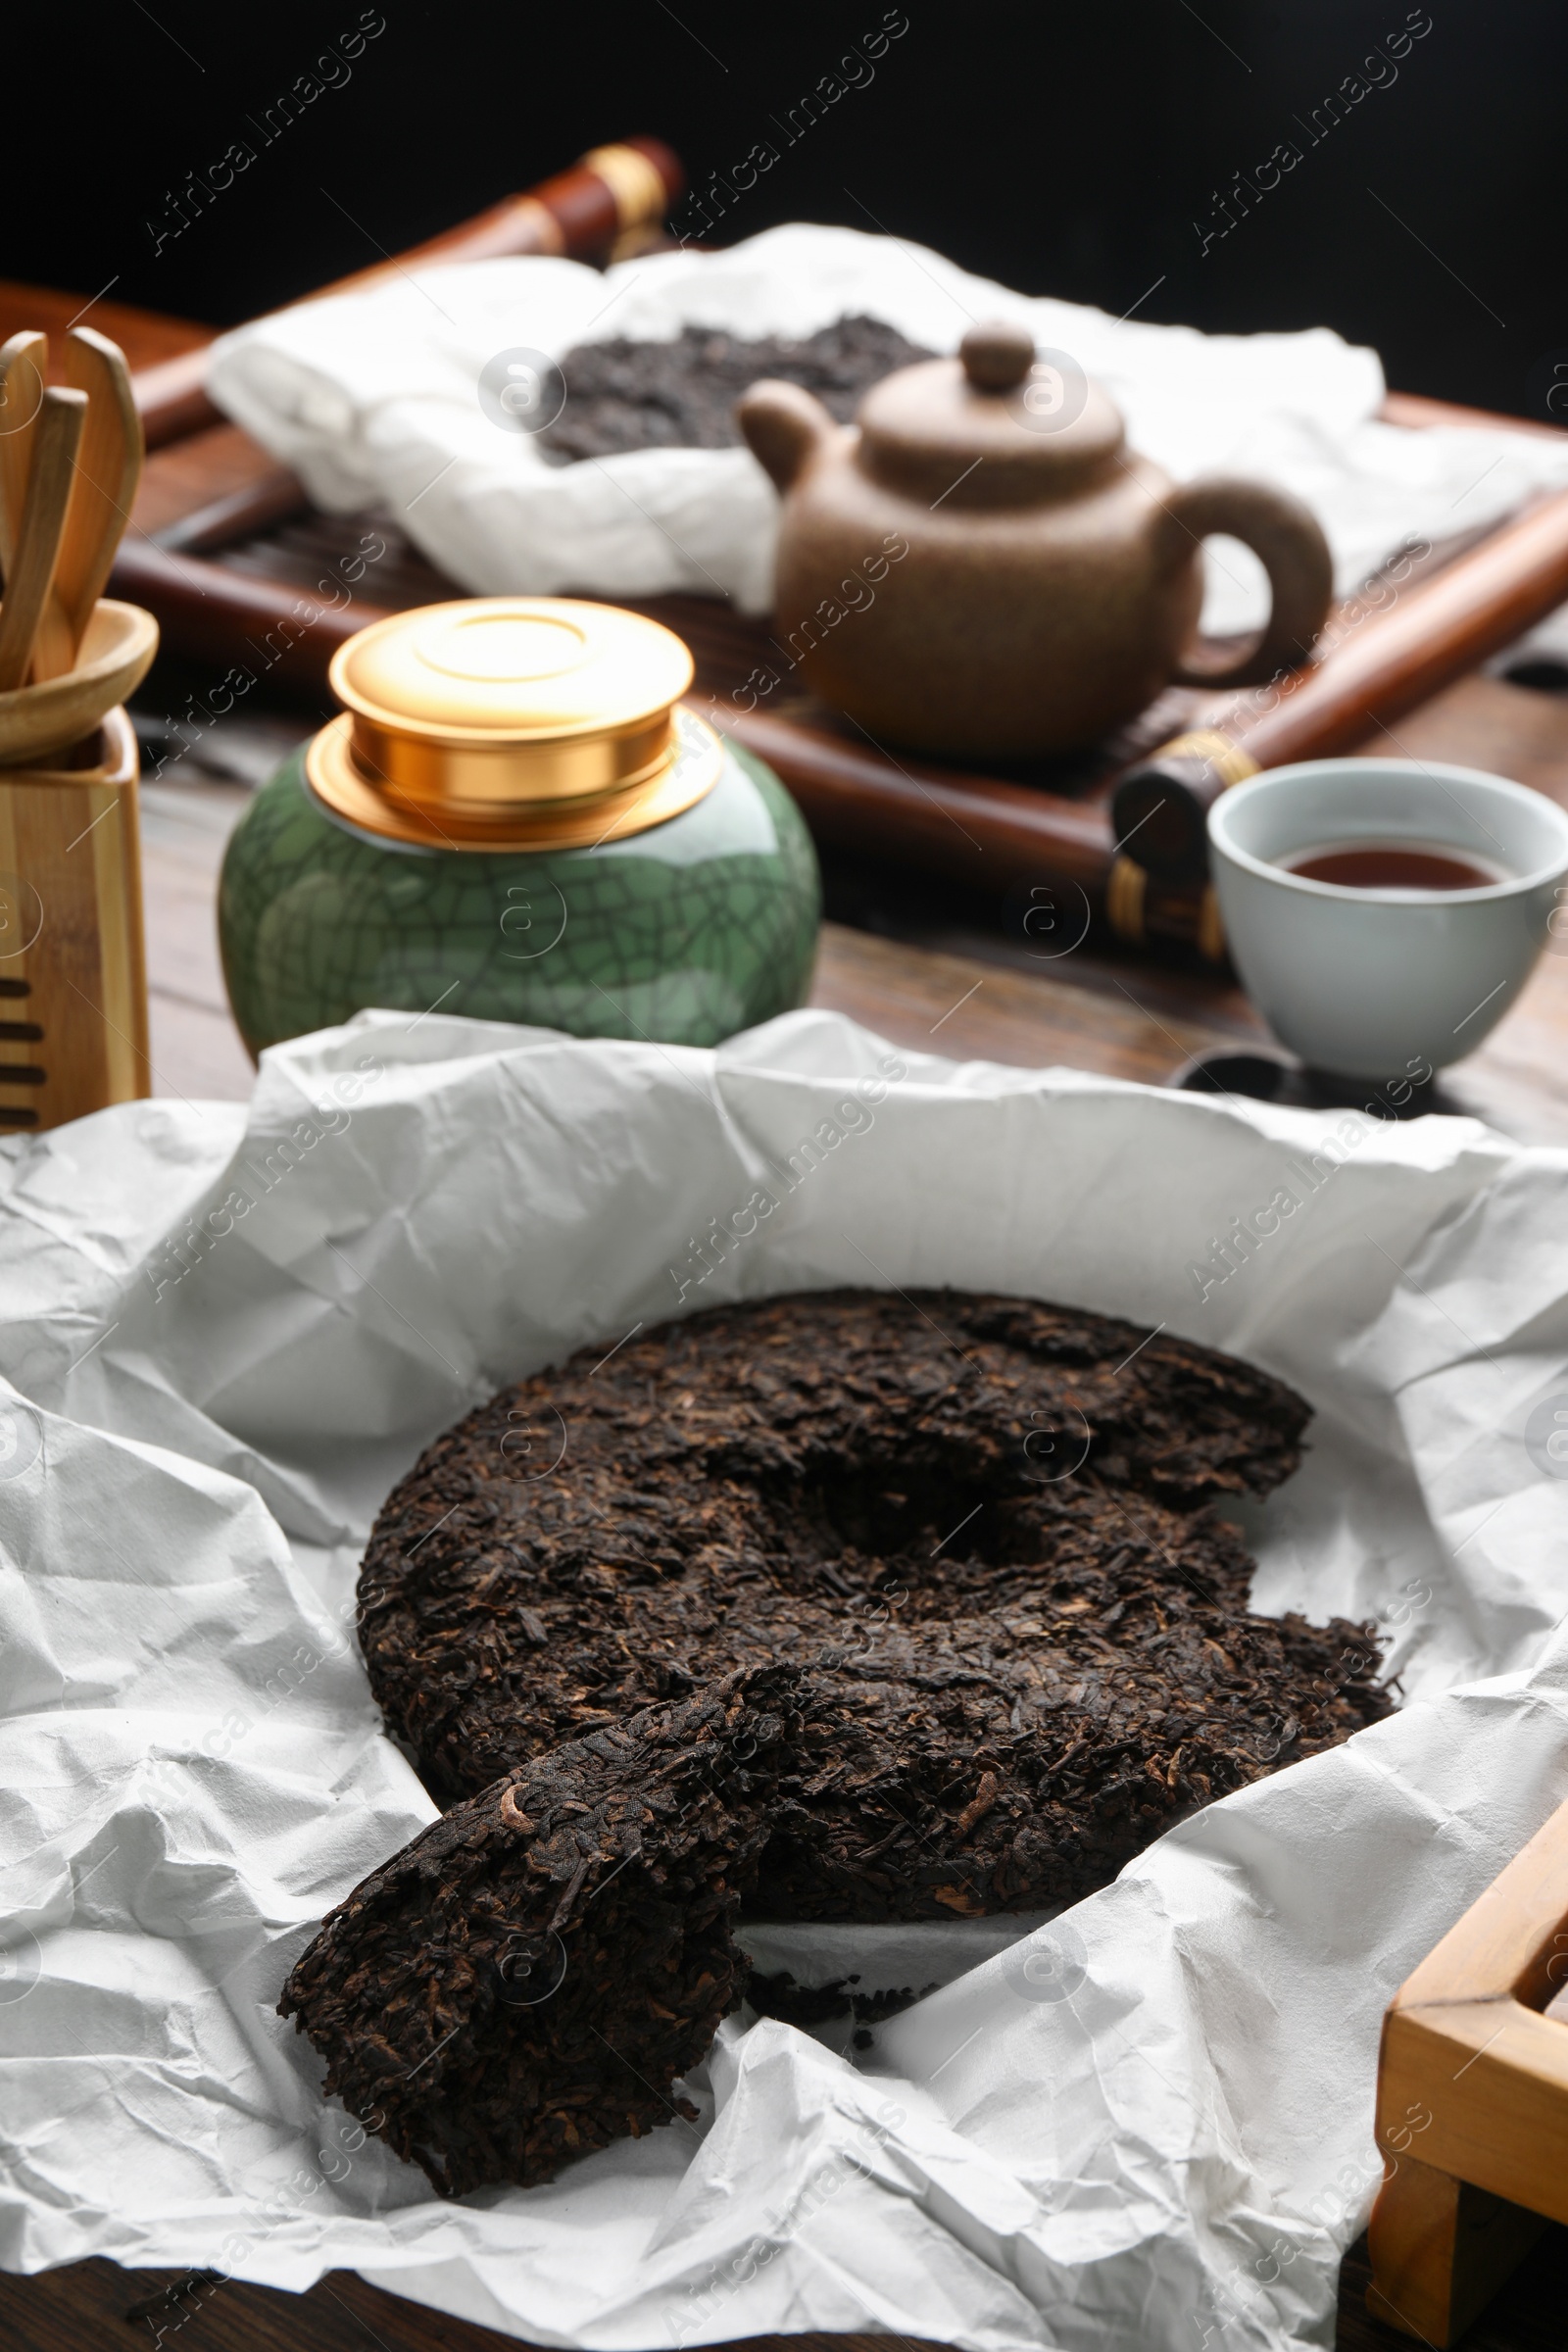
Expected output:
{"points": [[513, 820]]}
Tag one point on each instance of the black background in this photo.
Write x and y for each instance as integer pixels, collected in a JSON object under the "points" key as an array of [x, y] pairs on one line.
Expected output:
{"points": [[1064, 150]]}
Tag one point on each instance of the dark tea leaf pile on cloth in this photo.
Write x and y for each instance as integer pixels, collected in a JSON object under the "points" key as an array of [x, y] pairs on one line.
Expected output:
{"points": [[681, 394], [373, 397]]}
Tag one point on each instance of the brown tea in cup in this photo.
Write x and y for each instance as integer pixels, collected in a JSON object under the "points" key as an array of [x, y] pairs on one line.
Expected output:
{"points": [[1394, 865]]}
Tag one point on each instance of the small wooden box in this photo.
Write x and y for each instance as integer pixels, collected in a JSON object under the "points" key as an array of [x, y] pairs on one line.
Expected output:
{"points": [[1473, 2101], [72, 974]]}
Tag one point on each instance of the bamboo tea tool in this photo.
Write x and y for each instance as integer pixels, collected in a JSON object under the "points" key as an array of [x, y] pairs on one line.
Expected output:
{"points": [[30, 576], [23, 362], [1472, 2112], [108, 468], [73, 982]]}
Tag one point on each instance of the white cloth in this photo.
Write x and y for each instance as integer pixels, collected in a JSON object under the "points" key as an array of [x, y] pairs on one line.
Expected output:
{"points": [[372, 397], [226, 1334]]}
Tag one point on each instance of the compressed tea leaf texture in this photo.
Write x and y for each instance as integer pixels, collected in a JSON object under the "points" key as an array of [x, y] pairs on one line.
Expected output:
{"points": [[846, 1605]]}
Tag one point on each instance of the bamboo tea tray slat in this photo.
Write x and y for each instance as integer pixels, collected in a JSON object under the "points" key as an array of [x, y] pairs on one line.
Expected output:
{"points": [[244, 576]]}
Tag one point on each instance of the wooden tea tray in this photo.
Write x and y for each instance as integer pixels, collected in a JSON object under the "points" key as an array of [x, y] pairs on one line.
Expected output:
{"points": [[245, 578]]}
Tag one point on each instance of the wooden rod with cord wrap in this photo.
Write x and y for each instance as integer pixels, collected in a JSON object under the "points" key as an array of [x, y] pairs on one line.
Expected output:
{"points": [[611, 196]]}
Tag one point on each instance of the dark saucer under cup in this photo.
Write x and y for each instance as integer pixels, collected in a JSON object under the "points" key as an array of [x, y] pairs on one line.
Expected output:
{"points": [[1269, 1078]]}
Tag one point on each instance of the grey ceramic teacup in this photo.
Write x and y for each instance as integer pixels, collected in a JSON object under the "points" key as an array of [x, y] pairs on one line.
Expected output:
{"points": [[1373, 983]]}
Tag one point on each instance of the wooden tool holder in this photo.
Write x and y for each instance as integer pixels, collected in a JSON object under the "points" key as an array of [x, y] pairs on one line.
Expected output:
{"points": [[72, 980], [1472, 2110]]}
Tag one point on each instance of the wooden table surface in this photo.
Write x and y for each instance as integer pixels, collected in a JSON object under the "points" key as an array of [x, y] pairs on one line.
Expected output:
{"points": [[925, 977]]}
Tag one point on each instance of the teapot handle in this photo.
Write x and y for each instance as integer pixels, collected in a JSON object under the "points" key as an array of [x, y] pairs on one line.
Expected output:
{"points": [[1288, 541]]}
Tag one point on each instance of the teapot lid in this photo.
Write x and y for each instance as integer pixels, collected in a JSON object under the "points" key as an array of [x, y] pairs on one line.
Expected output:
{"points": [[1000, 425], [511, 721]]}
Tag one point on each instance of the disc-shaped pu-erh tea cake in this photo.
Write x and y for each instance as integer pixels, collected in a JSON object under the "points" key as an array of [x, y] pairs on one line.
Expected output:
{"points": [[846, 1606]]}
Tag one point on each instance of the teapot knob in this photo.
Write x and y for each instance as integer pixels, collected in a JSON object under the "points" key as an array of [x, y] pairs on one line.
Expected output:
{"points": [[997, 355]]}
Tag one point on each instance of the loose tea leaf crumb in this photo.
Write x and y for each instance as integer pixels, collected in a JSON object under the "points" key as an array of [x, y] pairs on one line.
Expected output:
{"points": [[779, 1996]]}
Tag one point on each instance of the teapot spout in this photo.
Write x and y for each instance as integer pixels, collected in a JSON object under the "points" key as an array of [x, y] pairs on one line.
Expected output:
{"points": [[784, 424]]}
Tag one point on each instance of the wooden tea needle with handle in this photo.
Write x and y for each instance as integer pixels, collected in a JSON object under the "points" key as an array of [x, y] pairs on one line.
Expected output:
{"points": [[108, 471], [56, 439], [23, 362]]}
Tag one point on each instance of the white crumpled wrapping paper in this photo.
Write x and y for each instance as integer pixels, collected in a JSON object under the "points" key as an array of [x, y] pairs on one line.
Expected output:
{"points": [[373, 398], [226, 1334]]}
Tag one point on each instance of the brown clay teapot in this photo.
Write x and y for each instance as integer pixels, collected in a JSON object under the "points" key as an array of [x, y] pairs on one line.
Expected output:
{"points": [[1049, 585]]}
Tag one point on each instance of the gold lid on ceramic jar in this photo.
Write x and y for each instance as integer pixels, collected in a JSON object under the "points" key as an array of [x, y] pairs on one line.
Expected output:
{"points": [[522, 721]]}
